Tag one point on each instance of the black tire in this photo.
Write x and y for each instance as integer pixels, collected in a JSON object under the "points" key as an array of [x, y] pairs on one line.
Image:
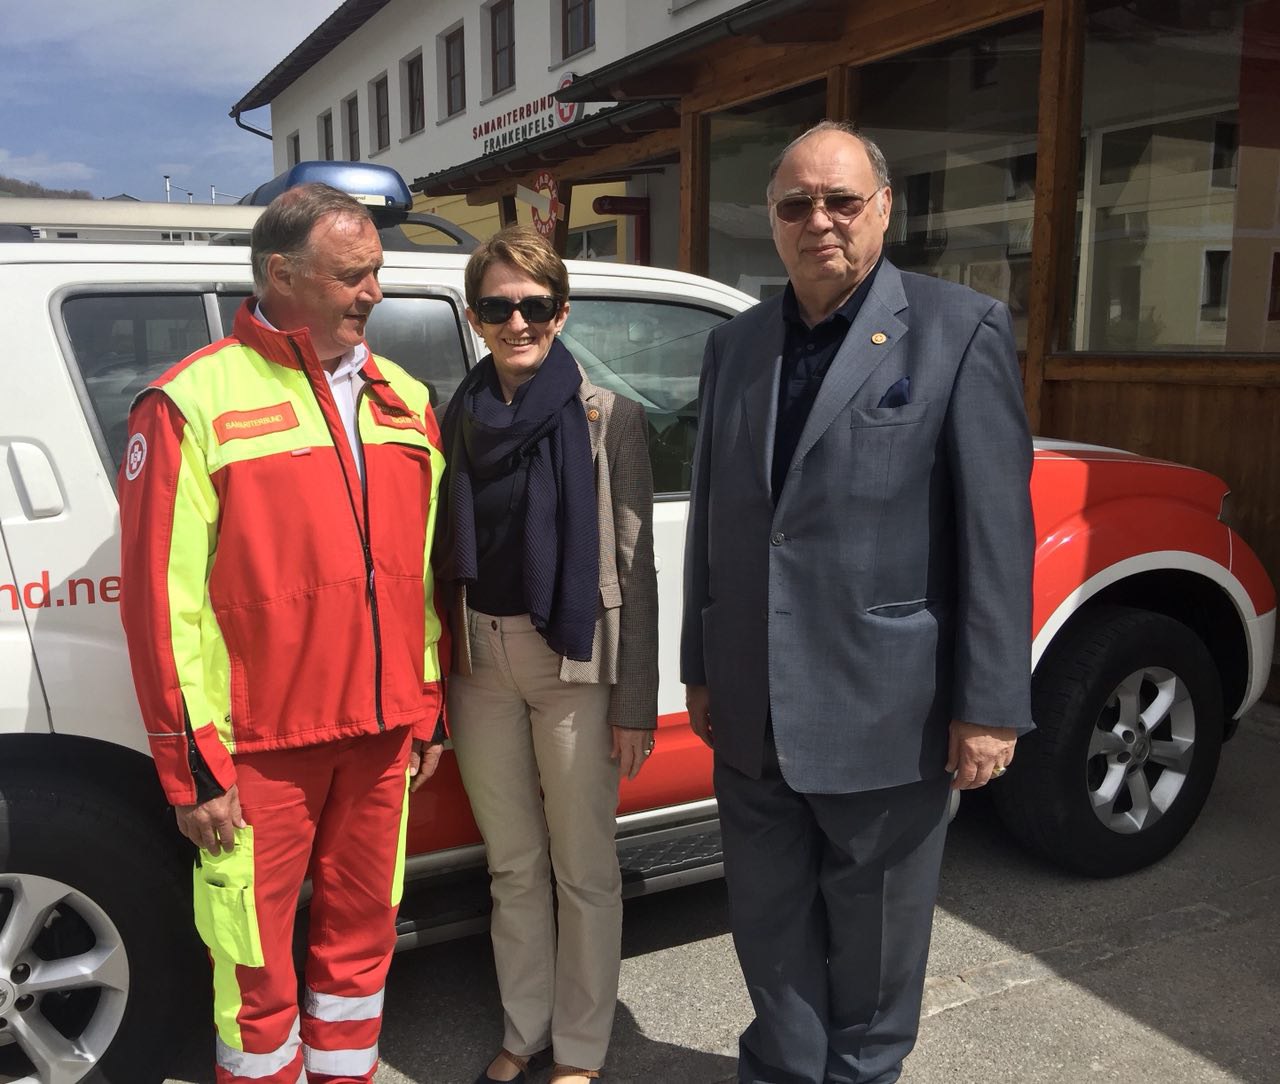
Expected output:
{"points": [[1125, 702], [116, 881]]}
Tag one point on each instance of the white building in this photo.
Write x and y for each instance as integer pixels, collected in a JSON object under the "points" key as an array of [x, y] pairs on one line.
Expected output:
{"points": [[432, 86]]}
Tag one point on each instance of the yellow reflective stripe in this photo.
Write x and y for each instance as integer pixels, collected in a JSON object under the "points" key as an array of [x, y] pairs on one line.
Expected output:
{"points": [[431, 663], [237, 1062], [397, 876], [191, 541], [226, 1003]]}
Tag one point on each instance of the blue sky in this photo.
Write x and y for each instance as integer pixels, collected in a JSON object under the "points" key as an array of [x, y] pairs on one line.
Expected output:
{"points": [[109, 95]]}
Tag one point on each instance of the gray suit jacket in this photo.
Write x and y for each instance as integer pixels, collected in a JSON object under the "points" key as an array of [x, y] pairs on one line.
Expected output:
{"points": [[624, 652], [890, 590]]}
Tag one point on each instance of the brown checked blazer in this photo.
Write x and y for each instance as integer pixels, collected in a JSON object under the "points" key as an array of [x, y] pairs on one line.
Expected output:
{"points": [[624, 652]]}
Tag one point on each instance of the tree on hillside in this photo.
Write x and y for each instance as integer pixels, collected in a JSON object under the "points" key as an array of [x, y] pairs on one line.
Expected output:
{"points": [[15, 187]]}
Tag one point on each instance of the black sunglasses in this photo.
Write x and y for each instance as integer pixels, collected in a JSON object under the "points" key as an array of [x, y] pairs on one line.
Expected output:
{"points": [[536, 310], [840, 206]]}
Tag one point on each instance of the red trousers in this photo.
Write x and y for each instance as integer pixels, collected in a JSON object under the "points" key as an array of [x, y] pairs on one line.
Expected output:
{"points": [[335, 812]]}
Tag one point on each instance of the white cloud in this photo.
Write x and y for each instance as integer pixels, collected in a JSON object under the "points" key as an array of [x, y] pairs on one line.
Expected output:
{"points": [[225, 47], [39, 168]]}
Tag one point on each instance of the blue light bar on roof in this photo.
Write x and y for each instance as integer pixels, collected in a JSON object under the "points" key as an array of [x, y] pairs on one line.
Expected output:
{"points": [[380, 188]]}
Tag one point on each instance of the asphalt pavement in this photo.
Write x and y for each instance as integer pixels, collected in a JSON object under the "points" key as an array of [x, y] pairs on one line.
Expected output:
{"points": [[1167, 976]]}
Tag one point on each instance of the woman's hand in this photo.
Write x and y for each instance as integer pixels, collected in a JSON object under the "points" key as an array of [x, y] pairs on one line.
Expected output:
{"points": [[631, 748]]}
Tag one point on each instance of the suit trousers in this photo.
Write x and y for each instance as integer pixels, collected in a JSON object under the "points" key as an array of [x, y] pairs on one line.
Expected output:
{"points": [[535, 757], [831, 904]]}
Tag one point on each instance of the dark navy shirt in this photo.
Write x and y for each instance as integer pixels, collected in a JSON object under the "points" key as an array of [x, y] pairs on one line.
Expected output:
{"points": [[807, 353]]}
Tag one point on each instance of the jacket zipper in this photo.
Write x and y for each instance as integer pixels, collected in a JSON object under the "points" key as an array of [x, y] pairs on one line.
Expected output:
{"points": [[362, 532]]}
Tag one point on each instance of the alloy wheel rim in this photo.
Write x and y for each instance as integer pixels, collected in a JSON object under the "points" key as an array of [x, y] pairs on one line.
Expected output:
{"points": [[1140, 750]]}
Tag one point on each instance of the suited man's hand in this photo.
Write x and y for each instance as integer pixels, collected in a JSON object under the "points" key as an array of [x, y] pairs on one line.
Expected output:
{"points": [[977, 751], [697, 699], [424, 758]]}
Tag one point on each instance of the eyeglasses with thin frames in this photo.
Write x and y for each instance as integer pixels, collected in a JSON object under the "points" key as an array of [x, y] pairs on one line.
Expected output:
{"points": [[839, 206], [536, 310]]}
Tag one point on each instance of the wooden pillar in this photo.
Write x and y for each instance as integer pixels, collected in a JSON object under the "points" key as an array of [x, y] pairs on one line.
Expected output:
{"points": [[842, 82], [560, 239], [507, 210], [695, 161], [1053, 229]]}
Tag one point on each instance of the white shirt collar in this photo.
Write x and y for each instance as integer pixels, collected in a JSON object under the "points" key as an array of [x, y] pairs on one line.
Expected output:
{"points": [[350, 363]]}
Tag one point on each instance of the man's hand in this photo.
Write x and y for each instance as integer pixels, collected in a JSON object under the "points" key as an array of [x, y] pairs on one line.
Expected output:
{"points": [[976, 753], [212, 825], [697, 699], [424, 758], [631, 748]]}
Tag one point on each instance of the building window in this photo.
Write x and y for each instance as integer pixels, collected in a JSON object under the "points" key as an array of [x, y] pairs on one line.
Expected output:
{"points": [[326, 135], [381, 108], [579, 25], [293, 150], [1173, 179], [503, 44], [416, 105], [352, 109], [599, 242], [455, 73]]}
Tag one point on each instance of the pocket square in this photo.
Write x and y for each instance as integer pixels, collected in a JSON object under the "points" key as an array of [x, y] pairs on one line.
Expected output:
{"points": [[898, 395]]}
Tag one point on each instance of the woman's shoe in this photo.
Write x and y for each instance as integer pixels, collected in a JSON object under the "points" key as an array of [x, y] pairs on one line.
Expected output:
{"points": [[520, 1063], [568, 1072]]}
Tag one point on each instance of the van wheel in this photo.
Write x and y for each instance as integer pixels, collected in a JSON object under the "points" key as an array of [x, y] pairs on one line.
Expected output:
{"points": [[96, 955], [1129, 716]]}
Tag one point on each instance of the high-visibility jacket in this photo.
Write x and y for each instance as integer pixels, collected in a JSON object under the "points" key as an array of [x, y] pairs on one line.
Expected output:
{"points": [[271, 600]]}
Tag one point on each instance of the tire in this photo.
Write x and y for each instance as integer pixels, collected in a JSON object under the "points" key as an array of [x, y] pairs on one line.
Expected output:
{"points": [[98, 960], [1129, 715]]}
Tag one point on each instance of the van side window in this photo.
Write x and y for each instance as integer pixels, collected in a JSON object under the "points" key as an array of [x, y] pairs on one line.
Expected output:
{"points": [[421, 334], [650, 351], [122, 342]]}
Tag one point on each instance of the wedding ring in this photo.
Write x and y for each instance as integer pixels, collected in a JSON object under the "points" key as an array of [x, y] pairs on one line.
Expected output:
{"points": [[648, 749], [997, 772]]}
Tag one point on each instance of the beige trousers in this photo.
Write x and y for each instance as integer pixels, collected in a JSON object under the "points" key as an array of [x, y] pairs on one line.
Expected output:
{"points": [[534, 753]]}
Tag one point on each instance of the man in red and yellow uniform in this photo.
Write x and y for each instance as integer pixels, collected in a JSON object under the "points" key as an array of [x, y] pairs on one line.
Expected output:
{"points": [[277, 500]]}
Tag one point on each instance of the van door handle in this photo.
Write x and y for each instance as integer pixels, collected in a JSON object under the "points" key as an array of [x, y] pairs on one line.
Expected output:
{"points": [[35, 481]]}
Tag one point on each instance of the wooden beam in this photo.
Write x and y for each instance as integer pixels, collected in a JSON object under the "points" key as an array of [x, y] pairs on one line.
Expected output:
{"points": [[1057, 169], [1214, 370], [694, 193], [614, 159], [507, 210], [664, 81], [840, 80]]}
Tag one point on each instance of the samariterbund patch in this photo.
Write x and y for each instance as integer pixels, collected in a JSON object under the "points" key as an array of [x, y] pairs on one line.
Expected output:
{"points": [[237, 424], [396, 417]]}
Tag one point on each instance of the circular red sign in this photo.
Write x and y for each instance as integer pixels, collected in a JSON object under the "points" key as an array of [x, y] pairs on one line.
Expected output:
{"points": [[545, 184], [567, 112]]}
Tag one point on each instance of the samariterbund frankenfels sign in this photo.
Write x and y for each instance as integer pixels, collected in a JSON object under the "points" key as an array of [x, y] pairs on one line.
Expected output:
{"points": [[527, 120]]}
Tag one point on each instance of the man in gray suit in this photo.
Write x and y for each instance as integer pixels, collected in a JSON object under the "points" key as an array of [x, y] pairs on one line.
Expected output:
{"points": [[857, 611]]}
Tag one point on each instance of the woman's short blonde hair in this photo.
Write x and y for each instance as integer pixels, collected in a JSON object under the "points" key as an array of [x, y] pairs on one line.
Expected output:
{"points": [[525, 249]]}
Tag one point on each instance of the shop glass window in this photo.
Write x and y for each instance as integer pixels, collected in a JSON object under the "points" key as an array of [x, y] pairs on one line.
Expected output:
{"points": [[957, 123], [579, 22], [417, 98], [598, 242], [744, 141], [650, 351], [382, 113], [122, 342], [1178, 222], [502, 37], [455, 73]]}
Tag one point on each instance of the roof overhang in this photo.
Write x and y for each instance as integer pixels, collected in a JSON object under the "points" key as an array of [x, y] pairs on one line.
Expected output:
{"points": [[667, 69], [647, 128], [331, 33]]}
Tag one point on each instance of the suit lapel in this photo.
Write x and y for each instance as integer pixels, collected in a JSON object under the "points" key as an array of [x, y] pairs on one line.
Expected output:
{"points": [[587, 394], [859, 356], [760, 396]]}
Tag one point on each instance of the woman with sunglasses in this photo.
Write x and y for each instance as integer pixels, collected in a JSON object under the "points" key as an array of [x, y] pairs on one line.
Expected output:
{"points": [[545, 542]]}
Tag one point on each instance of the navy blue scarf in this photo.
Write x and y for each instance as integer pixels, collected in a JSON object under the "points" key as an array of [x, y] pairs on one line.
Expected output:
{"points": [[484, 438]]}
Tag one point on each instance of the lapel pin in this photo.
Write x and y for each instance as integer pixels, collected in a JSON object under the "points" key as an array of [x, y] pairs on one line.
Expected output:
{"points": [[593, 415], [879, 338]]}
